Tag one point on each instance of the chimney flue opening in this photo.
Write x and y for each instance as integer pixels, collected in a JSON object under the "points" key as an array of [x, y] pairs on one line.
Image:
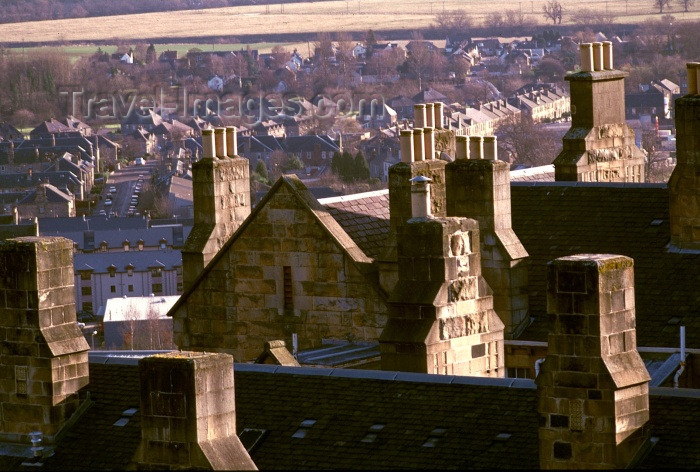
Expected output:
{"points": [[429, 115]]}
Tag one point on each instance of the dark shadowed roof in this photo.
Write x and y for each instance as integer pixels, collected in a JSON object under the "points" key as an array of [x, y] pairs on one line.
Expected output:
{"points": [[359, 419], [555, 219]]}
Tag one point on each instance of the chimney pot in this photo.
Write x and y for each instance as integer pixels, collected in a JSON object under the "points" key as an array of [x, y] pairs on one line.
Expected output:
{"points": [[429, 115], [231, 141], [419, 115], [406, 142], [418, 144], [490, 148], [208, 144], [462, 147], [220, 142], [586, 57], [608, 55], [597, 56], [429, 143], [420, 196], [439, 118], [476, 147]]}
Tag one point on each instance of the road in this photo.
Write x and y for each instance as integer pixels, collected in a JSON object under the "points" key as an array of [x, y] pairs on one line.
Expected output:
{"points": [[124, 180]]}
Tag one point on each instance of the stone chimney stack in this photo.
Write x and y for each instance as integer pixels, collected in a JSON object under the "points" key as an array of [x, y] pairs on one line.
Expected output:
{"points": [[188, 413], [221, 194], [593, 388], [441, 317], [400, 176], [684, 184], [599, 146], [44, 359], [479, 188]]}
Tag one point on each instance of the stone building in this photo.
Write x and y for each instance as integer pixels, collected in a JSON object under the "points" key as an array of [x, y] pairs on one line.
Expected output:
{"points": [[592, 405], [600, 146]]}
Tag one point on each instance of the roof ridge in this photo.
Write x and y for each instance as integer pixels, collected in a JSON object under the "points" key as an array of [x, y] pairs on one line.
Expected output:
{"points": [[352, 196]]}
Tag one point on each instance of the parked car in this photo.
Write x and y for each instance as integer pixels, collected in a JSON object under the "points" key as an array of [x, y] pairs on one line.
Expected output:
{"points": [[112, 189]]}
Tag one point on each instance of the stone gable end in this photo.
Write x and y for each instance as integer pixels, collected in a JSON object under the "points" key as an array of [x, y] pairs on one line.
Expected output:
{"points": [[242, 303]]}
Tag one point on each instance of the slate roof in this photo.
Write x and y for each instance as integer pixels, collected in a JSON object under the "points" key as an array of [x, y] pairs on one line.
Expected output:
{"points": [[364, 216], [140, 260], [485, 423], [151, 236], [52, 226], [554, 219]]}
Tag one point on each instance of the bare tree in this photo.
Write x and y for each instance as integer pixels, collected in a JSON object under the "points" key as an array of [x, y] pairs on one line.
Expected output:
{"points": [[523, 142], [553, 11], [660, 4], [453, 22], [686, 4]]}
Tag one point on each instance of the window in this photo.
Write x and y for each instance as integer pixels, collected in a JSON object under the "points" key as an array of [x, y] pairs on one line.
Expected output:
{"points": [[103, 246], [287, 286], [163, 244], [85, 276], [130, 270], [156, 272], [126, 245], [157, 288], [87, 306], [179, 287], [131, 288], [140, 244], [304, 428], [86, 291], [112, 289]]}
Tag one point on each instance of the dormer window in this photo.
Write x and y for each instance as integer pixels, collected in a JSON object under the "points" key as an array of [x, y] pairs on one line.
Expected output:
{"points": [[140, 244], [112, 270], [130, 270], [163, 243], [126, 245], [103, 246], [156, 272]]}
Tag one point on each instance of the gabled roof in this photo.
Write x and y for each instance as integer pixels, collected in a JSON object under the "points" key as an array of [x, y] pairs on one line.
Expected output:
{"points": [[298, 190], [429, 95], [49, 127]]}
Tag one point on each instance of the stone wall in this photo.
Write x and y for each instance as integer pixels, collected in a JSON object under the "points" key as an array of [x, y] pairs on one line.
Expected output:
{"points": [[593, 387], [43, 354], [241, 303], [684, 184]]}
